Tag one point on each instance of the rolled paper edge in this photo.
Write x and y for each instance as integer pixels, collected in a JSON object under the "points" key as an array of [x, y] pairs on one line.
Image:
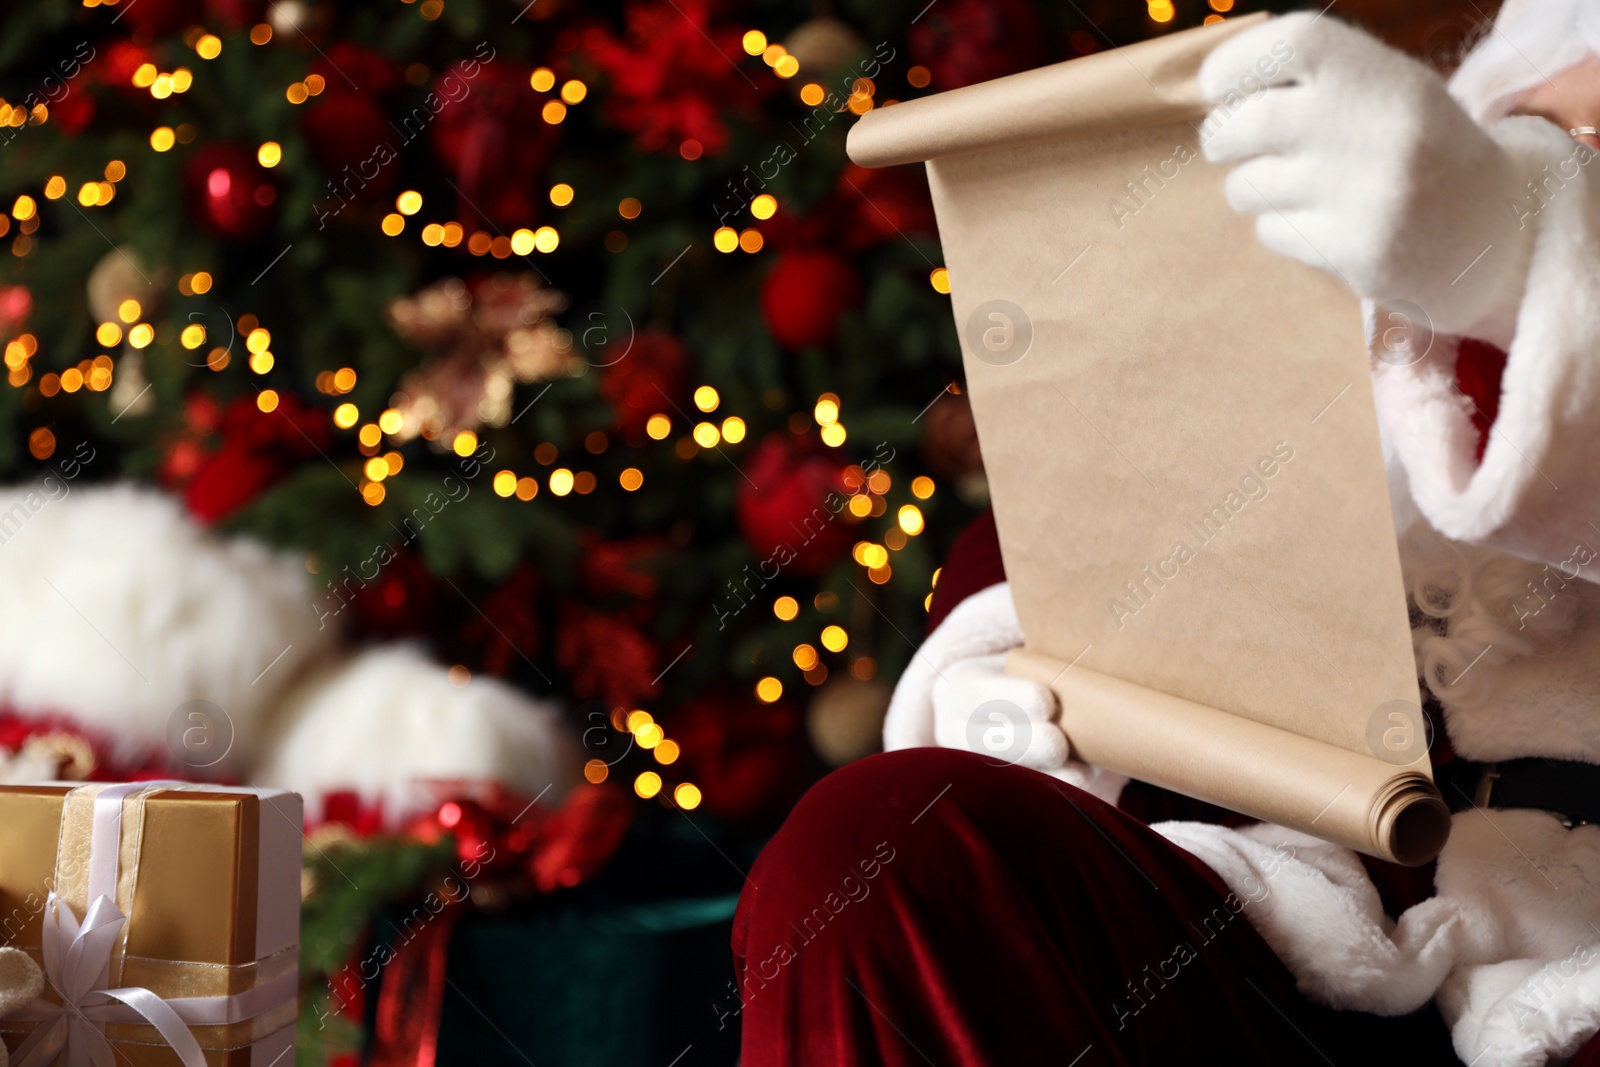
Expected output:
{"points": [[1393, 813], [1413, 822], [1139, 85]]}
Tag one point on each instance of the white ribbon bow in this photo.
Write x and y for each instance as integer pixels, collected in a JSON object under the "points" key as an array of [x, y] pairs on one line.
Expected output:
{"points": [[77, 964]]}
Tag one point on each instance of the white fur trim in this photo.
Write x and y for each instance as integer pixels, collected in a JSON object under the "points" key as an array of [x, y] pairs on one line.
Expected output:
{"points": [[119, 609], [1530, 495], [1527, 987], [387, 720], [1531, 42], [982, 624], [1314, 904]]}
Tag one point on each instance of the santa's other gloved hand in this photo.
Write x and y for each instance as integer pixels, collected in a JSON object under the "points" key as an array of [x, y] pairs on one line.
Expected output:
{"points": [[1355, 159], [978, 707], [1009, 720]]}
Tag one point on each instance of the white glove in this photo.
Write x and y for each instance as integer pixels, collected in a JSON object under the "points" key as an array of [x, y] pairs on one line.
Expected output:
{"points": [[980, 708], [1357, 160]]}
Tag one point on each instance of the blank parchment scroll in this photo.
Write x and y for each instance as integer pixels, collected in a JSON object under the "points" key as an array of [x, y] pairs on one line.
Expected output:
{"points": [[1181, 446]]}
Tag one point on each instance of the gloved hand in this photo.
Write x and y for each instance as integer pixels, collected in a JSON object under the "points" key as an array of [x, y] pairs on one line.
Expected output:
{"points": [[980, 708], [1356, 160]]}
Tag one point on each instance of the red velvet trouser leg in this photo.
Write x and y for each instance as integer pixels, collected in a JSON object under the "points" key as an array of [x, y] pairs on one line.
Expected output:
{"points": [[927, 907]]}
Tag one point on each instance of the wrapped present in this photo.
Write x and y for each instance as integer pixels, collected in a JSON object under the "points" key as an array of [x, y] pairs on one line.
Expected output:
{"points": [[166, 918]]}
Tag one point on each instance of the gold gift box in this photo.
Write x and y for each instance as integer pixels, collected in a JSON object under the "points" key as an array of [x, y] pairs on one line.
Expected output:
{"points": [[210, 882]]}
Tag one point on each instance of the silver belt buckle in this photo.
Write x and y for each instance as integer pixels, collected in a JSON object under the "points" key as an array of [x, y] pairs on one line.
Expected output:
{"points": [[1485, 790]]}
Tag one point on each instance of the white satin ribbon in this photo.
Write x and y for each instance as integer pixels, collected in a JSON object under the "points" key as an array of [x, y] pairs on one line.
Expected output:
{"points": [[77, 965]]}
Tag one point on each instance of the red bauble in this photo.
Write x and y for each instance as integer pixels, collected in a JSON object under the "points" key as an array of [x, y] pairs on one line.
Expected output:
{"points": [[484, 130], [351, 139], [747, 758], [16, 304], [791, 507], [805, 293], [158, 18], [401, 602], [966, 41], [230, 194]]}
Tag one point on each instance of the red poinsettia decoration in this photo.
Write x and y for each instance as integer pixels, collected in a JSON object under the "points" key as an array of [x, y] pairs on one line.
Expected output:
{"points": [[515, 635], [673, 75], [630, 568], [967, 41], [606, 655], [645, 378], [258, 449]]}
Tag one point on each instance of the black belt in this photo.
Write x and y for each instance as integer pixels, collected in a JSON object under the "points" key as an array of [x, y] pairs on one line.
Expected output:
{"points": [[1568, 788]]}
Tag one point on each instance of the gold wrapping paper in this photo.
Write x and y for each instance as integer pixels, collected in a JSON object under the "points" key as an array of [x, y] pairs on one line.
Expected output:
{"points": [[189, 882], [1182, 449]]}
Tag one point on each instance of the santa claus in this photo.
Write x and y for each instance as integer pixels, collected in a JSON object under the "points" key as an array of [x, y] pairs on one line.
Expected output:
{"points": [[1045, 923]]}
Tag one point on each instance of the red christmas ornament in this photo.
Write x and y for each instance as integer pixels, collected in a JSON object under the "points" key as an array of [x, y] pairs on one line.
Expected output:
{"points": [[746, 757], [16, 304], [158, 18], [805, 293], [477, 834], [351, 139], [966, 41], [230, 194], [400, 603], [484, 130], [347, 128], [791, 508]]}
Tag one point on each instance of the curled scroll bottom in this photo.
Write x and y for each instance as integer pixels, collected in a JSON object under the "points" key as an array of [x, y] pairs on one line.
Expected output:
{"points": [[1346, 797]]}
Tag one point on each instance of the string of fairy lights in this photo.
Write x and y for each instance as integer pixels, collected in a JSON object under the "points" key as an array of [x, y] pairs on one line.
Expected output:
{"points": [[379, 438]]}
